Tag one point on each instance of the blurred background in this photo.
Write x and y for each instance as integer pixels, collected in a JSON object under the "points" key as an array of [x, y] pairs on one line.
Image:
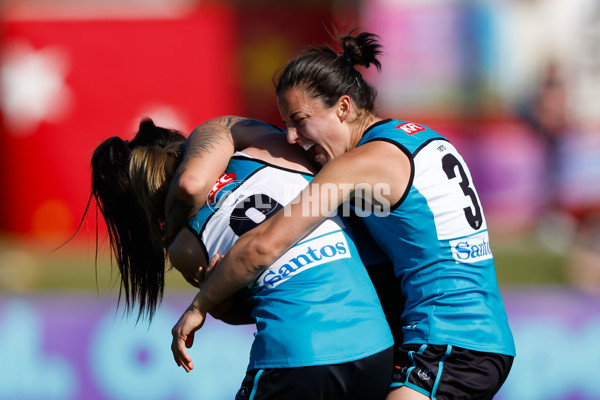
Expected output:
{"points": [[513, 83]]}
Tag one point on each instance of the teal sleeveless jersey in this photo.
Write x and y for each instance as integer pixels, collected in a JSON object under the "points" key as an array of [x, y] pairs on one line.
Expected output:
{"points": [[437, 239], [315, 305]]}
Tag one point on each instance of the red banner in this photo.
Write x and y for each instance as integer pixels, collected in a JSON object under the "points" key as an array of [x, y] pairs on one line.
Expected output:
{"points": [[68, 84]]}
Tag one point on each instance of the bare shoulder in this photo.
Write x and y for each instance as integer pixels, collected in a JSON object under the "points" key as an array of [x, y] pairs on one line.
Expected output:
{"points": [[275, 149]]}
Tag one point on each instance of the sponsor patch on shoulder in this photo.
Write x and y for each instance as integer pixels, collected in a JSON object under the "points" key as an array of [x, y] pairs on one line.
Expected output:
{"points": [[411, 128]]}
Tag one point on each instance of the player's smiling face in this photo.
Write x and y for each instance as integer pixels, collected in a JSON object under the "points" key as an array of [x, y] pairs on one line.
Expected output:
{"points": [[312, 125]]}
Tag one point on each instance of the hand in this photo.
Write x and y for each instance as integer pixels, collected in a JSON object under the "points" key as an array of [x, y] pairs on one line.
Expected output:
{"points": [[205, 272], [216, 259], [183, 336]]}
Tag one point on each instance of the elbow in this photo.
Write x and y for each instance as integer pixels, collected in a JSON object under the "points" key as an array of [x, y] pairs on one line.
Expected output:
{"points": [[191, 189], [259, 254]]}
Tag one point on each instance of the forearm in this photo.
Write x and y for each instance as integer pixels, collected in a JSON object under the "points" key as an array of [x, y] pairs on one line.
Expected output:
{"points": [[253, 252], [208, 150], [241, 266], [260, 247]]}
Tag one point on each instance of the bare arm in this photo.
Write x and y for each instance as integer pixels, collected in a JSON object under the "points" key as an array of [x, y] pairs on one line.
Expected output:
{"points": [[187, 255], [372, 164], [208, 150]]}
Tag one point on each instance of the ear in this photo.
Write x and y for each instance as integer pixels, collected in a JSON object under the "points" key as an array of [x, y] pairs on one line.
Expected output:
{"points": [[344, 107]]}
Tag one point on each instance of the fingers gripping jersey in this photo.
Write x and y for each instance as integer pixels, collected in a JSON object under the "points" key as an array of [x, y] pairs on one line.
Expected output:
{"points": [[315, 305], [438, 241]]}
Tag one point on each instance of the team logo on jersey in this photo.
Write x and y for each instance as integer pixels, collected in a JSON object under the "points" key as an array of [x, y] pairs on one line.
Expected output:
{"points": [[411, 128], [219, 184], [305, 255], [472, 249]]}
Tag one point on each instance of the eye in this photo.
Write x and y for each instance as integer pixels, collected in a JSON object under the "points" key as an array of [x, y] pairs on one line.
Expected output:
{"points": [[299, 120]]}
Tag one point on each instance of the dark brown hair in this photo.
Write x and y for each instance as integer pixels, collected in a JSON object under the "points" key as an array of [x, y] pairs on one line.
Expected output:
{"points": [[328, 74], [139, 256]]}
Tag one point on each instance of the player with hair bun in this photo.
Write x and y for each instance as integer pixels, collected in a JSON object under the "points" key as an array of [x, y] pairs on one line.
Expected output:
{"points": [[457, 343], [310, 307]]}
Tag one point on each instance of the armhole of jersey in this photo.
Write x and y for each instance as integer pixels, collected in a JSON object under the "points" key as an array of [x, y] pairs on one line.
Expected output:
{"points": [[412, 168], [198, 236]]}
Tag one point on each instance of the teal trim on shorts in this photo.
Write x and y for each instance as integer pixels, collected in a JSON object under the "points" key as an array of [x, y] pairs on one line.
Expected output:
{"points": [[255, 384], [440, 371], [396, 385]]}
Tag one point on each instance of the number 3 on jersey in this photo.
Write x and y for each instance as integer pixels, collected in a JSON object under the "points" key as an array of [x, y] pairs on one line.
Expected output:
{"points": [[474, 217]]}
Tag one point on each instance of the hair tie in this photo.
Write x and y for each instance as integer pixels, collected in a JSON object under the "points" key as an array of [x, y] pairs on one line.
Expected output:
{"points": [[347, 58]]}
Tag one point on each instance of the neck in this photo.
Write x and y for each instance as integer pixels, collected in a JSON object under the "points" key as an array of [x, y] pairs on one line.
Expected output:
{"points": [[361, 127]]}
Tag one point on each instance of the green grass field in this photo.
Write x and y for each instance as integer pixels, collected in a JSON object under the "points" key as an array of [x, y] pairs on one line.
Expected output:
{"points": [[26, 266]]}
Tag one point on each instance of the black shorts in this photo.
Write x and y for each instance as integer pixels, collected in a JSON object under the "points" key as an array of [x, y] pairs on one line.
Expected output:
{"points": [[367, 378], [450, 372]]}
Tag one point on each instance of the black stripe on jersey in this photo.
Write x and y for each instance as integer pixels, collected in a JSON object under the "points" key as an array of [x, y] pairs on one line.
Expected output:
{"points": [[197, 235], [411, 158], [425, 143], [412, 168], [382, 122]]}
